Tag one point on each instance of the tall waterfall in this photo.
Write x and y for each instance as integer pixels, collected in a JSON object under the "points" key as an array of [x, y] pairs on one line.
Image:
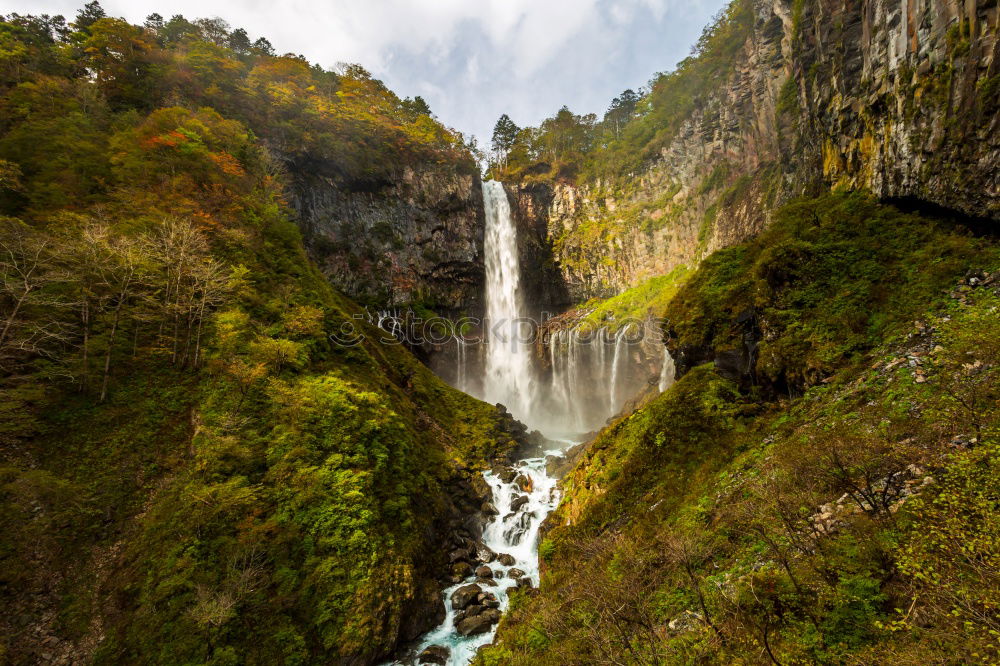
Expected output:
{"points": [[508, 376], [580, 392]]}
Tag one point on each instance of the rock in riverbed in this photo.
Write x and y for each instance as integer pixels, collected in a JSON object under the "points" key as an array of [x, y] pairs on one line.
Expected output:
{"points": [[478, 624], [434, 654], [465, 595]]}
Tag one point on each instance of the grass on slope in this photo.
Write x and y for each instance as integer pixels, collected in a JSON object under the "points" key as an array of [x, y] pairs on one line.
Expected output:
{"points": [[857, 523]]}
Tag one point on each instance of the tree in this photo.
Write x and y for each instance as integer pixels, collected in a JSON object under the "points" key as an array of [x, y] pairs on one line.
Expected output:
{"points": [[119, 268], [263, 47], [504, 137], [91, 13], [214, 30], [416, 106], [30, 316], [154, 22], [121, 56], [178, 29], [621, 110], [239, 41]]}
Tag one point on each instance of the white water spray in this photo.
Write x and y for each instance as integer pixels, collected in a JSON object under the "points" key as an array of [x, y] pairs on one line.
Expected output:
{"points": [[667, 371], [508, 378]]}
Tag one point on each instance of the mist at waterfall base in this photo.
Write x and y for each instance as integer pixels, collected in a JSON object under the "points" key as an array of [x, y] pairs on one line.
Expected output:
{"points": [[583, 378]]}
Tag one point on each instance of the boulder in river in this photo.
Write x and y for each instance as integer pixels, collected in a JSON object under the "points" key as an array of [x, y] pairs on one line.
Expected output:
{"points": [[478, 624], [461, 569], [465, 595], [505, 559], [515, 573], [485, 553], [523, 481], [484, 572], [505, 474], [471, 610], [434, 654], [518, 502]]}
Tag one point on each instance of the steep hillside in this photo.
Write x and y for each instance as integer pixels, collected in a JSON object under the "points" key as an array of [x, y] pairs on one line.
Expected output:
{"points": [[206, 455], [779, 99], [828, 497]]}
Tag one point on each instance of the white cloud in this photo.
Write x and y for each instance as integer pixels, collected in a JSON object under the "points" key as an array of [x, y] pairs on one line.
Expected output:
{"points": [[471, 59]]}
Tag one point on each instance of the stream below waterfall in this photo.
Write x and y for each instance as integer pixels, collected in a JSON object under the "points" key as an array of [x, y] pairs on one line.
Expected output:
{"points": [[579, 394], [511, 554]]}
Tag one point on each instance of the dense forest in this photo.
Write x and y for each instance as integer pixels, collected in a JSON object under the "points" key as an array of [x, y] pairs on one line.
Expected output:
{"points": [[193, 470], [211, 454]]}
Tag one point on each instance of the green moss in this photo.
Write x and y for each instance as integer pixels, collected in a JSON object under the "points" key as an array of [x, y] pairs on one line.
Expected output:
{"points": [[687, 531], [820, 279], [649, 299]]}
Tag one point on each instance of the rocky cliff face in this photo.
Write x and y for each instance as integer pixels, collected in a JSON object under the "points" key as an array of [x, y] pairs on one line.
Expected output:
{"points": [[415, 239], [542, 283], [898, 98]]}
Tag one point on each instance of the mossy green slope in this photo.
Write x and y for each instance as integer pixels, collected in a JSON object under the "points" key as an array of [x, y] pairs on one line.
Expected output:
{"points": [[853, 523], [202, 461]]}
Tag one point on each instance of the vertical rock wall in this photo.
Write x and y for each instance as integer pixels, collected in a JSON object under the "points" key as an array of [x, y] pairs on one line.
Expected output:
{"points": [[899, 98]]}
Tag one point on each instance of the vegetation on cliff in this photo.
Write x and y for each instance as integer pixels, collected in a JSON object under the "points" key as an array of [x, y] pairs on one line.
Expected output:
{"points": [[853, 523], [583, 148], [200, 464]]}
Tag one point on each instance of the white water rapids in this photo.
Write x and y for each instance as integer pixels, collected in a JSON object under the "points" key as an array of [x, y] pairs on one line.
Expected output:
{"points": [[512, 532], [579, 394]]}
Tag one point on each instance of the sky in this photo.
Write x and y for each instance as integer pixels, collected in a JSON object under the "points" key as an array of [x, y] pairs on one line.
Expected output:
{"points": [[471, 60]]}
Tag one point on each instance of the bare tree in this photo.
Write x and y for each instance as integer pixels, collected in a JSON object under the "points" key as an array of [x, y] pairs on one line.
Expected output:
{"points": [[30, 314]]}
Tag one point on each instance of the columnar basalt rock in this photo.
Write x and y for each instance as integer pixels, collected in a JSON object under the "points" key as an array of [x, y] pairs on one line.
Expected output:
{"points": [[901, 99]]}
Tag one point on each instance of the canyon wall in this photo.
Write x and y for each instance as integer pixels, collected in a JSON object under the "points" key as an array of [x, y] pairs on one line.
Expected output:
{"points": [[417, 238], [897, 98]]}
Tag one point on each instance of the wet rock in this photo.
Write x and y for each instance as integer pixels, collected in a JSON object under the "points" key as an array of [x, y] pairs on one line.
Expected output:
{"points": [[516, 573], [518, 502], [434, 654], [465, 595], [525, 582], [505, 559], [489, 509], [518, 527], [505, 474], [461, 569], [470, 611], [485, 554], [524, 482], [478, 624], [484, 572]]}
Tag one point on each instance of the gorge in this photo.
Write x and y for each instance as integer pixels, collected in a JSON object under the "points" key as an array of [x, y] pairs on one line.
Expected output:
{"points": [[292, 372]]}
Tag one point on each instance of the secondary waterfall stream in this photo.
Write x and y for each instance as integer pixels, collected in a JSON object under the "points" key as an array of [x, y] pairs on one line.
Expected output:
{"points": [[579, 392]]}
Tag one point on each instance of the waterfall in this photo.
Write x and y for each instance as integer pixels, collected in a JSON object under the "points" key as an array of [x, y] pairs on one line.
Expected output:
{"points": [[620, 338], [508, 376], [667, 371], [462, 369], [579, 398]]}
